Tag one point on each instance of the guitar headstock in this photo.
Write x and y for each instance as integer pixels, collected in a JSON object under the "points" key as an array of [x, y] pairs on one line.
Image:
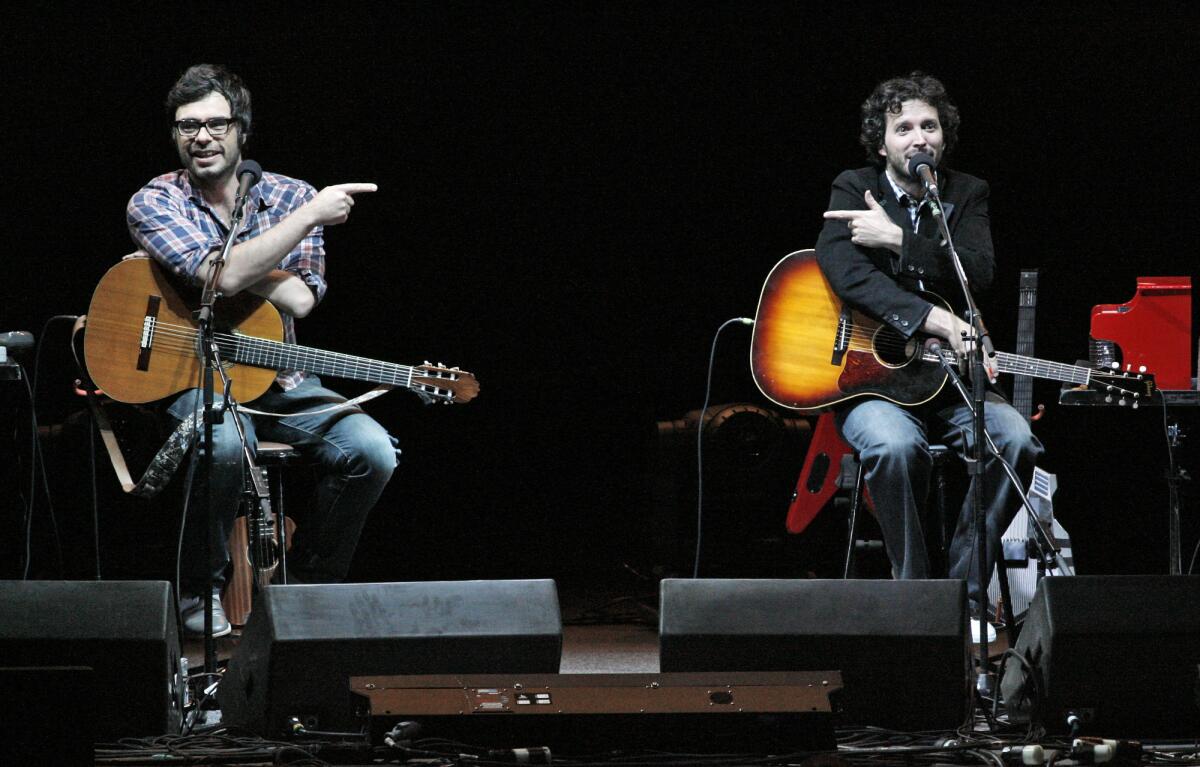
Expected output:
{"points": [[438, 383], [1123, 387]]}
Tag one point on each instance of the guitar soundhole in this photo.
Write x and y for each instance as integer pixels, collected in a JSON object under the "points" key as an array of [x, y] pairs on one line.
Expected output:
{"points": [[892, 349]]}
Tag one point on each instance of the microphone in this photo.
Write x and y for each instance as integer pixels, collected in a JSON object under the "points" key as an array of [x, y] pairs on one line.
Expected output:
{"points": [[248, 174], [17, 340], [920, 165]]}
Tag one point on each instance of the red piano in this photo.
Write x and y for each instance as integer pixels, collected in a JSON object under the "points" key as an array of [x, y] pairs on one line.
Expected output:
{"points": [[1152, 332]]}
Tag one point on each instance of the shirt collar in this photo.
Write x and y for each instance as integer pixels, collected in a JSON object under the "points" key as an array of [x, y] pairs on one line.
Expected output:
{"points": [[902, 196], [262, 196]]}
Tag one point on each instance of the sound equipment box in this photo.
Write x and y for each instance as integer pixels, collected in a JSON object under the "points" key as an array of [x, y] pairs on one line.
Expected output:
{"points": [[303, 643], [900, 646], [719, 712], [1119, 653], [124, 631]]}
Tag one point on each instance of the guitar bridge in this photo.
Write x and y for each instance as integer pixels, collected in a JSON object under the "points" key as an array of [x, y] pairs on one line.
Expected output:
{"points": [[149, 325], [842, 341]]}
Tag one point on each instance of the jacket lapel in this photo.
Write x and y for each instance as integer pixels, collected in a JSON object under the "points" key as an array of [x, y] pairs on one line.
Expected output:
{"points": [[887, 199]]}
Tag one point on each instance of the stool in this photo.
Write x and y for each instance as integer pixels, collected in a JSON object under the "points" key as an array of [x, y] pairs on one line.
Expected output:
{"points": [[273, 457], [851, 466]]}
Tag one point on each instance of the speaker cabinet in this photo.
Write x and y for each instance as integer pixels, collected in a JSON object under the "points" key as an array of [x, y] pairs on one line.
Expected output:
{"points": [[124, 631], [900, 645], [303, 643], [1120, 652]]}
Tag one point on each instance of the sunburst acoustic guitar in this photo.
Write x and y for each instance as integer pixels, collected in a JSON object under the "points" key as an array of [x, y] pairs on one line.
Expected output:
{"points": [[810, 351]]}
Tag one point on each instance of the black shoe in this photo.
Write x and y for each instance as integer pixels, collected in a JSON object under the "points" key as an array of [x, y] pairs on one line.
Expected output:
{"points": [[191, 610]]}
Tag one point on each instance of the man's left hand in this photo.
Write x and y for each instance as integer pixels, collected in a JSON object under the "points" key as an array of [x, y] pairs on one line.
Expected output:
{"points": [[870, 228]]}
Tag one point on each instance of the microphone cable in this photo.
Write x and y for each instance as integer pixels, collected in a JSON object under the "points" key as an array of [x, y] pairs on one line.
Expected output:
{"points": [[712, 356]]}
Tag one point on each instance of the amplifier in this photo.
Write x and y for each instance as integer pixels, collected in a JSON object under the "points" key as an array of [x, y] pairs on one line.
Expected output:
{"points": [[718, 711]]}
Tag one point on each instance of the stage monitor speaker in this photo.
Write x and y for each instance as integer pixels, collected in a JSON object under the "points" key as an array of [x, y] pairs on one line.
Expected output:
{"points": [[303, 643], [900, 645], [1120, 652], [125, 631]]}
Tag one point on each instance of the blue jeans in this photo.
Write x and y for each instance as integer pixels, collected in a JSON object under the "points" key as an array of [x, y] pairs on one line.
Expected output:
{"points": [[354, 459], [893, 445]]}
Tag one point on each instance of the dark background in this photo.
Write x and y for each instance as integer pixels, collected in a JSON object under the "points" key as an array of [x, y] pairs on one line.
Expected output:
{"points": [[572, 198]]}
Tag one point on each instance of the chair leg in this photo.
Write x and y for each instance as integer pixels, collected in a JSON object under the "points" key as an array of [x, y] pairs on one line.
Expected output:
{"points": [[852, 523], [280, 523]]}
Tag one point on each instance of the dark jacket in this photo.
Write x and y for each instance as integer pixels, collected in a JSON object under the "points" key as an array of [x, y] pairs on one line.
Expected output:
{"points": [[882, 284]]}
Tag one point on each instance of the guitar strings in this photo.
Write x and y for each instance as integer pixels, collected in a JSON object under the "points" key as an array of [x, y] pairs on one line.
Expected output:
{"points": [[181, 339], [869, 341]]}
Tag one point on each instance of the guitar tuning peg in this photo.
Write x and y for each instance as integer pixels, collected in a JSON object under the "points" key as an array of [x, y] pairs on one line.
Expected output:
{"points": [[426, 362]]}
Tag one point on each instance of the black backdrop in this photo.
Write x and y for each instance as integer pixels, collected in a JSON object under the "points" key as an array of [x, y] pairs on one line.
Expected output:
{"points": [[574, 196]]}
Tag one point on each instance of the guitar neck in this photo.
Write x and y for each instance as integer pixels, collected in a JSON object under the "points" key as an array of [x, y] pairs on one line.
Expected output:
{"points": [[1030, 366], [1026, 313], [263, 353], [1036, 368]]}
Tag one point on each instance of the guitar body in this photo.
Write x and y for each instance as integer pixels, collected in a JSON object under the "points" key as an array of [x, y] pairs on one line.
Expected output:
{"points": [[245, 579], [809, 351], [135, 289]]}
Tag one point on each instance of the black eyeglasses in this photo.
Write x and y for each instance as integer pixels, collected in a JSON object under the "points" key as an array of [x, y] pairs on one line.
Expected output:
{"points": [[216, 126]]}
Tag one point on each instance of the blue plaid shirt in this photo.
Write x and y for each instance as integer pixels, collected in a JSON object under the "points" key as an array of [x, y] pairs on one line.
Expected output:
{"points": [[171, 221]]}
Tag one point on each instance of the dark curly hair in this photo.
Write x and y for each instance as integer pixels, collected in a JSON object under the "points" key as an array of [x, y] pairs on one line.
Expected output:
{"points": [[202, 79], [888, 98]]}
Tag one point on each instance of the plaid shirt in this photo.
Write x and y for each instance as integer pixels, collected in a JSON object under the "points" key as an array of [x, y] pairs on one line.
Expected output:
{"points": [[172, 222]]}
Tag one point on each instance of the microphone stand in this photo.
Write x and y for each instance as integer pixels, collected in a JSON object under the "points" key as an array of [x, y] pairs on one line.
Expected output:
{"points": [[978, 344], [208, 351]]}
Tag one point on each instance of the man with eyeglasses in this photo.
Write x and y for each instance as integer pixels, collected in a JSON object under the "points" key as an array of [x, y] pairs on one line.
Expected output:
{"points": [[180, 219]]}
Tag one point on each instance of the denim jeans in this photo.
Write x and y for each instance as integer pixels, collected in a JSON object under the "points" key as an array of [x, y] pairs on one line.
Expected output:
{"points": [[354, 459], [893, 445]]}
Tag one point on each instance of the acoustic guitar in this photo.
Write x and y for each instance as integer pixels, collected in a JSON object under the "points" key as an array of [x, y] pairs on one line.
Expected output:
{"points": [[810, 350], [141, 345]]}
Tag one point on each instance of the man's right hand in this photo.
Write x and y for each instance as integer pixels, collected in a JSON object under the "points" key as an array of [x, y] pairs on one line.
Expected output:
{"points": [[942, 323], [333, 203]]}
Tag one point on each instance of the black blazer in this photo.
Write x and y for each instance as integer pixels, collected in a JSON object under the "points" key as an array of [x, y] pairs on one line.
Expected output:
{"points": [[882, 284]]}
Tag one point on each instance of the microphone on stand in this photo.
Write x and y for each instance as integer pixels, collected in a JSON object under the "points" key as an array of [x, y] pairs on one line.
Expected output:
{"points": [[921, 165], [248, 174]]}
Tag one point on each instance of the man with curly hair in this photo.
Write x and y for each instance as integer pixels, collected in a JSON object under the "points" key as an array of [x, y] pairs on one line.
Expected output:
{"points": [[880, 248]]}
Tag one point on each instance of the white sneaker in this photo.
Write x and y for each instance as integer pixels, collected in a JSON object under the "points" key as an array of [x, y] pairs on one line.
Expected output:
{"points": [[991, 632]]}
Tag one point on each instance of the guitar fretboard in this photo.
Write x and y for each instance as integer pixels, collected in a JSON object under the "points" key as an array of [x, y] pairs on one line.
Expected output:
{"points": [[262, 353], [1030, 366]]}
